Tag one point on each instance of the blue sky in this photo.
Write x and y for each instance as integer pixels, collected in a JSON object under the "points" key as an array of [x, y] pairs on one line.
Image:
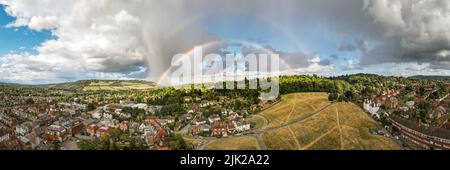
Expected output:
{"points": [[18, 39]]}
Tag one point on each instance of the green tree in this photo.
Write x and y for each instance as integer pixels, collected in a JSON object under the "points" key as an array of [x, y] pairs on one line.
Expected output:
{"points": [[29, 101], [91, 107], [178, 143], [86, 145]]}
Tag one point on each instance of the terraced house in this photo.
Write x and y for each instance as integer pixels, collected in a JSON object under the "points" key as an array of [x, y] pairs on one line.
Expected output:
{"points": [[420, 136]]}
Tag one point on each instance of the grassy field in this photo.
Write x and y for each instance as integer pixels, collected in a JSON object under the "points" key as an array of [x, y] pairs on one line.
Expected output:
{"points": [[339, 126], [293, 106], [280, 139], [191, 142], [241, 143], [118, 85], [257, 121]]}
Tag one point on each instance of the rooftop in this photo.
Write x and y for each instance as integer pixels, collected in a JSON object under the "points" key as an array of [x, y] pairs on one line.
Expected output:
{"points": [[431, 131]]}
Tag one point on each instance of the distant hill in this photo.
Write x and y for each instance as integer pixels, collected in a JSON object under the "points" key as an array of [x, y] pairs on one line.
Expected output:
{"points": [[8, 84], [94, 85], [430, 77]]}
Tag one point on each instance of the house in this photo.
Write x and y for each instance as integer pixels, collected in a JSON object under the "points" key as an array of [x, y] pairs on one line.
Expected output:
{"points": [[106, 122], [124, 125], [75, 127], [232, 116], [195, 107], [153, 109], [391, 93], [123, 115], [142, 127], [253, 107], [4, 135], [205, 128], [199, 121], [97, 115], [56, 133], [439, 114], [107, 116], [134, 127], [149, 130], [219, 129], [410, 104], [411, 94], [150, 140], [112, 107], [88, 122], [139, 106], [194, 129], [206, 103], [35, 140], [232, 128], [91, 129], [447, 125], [102, 132], [423, 137], [165, 121], [25, 143], [372, 107], [392, 102], [5, 119], [263, 103], [214, 118], [187, 99], [198, 129], [404, 108], [241, 125], [22, 129]]}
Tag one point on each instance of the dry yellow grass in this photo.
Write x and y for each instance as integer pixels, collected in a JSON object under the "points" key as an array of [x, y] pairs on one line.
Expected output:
{"points": [[339, 126], [330, 141], [279, 139], [314, 127], [191, 141], [242, 143], [111, 86], [293, 106], [356, 127]]}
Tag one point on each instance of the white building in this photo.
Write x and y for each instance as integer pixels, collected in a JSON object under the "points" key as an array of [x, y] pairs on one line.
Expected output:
{"points": [[214, 118], [241, 126], [97, 115], [107, 116], [199, 122], [139, 106], [372, 108], [410, 104], [22, 130]]}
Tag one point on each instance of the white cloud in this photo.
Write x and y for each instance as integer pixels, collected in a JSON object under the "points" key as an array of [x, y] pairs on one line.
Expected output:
{"points": [[109, 37], [352, 64], [315, 66]]}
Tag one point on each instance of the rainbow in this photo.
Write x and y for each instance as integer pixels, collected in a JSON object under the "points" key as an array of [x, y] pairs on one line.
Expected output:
{"points": [[214, 43]]}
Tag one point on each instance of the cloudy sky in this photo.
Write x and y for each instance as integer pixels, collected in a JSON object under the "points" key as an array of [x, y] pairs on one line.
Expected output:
{"points": [[48, 41]]}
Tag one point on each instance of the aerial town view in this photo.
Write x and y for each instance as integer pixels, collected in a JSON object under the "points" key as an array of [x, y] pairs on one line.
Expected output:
{"points": [[157, 75]]}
